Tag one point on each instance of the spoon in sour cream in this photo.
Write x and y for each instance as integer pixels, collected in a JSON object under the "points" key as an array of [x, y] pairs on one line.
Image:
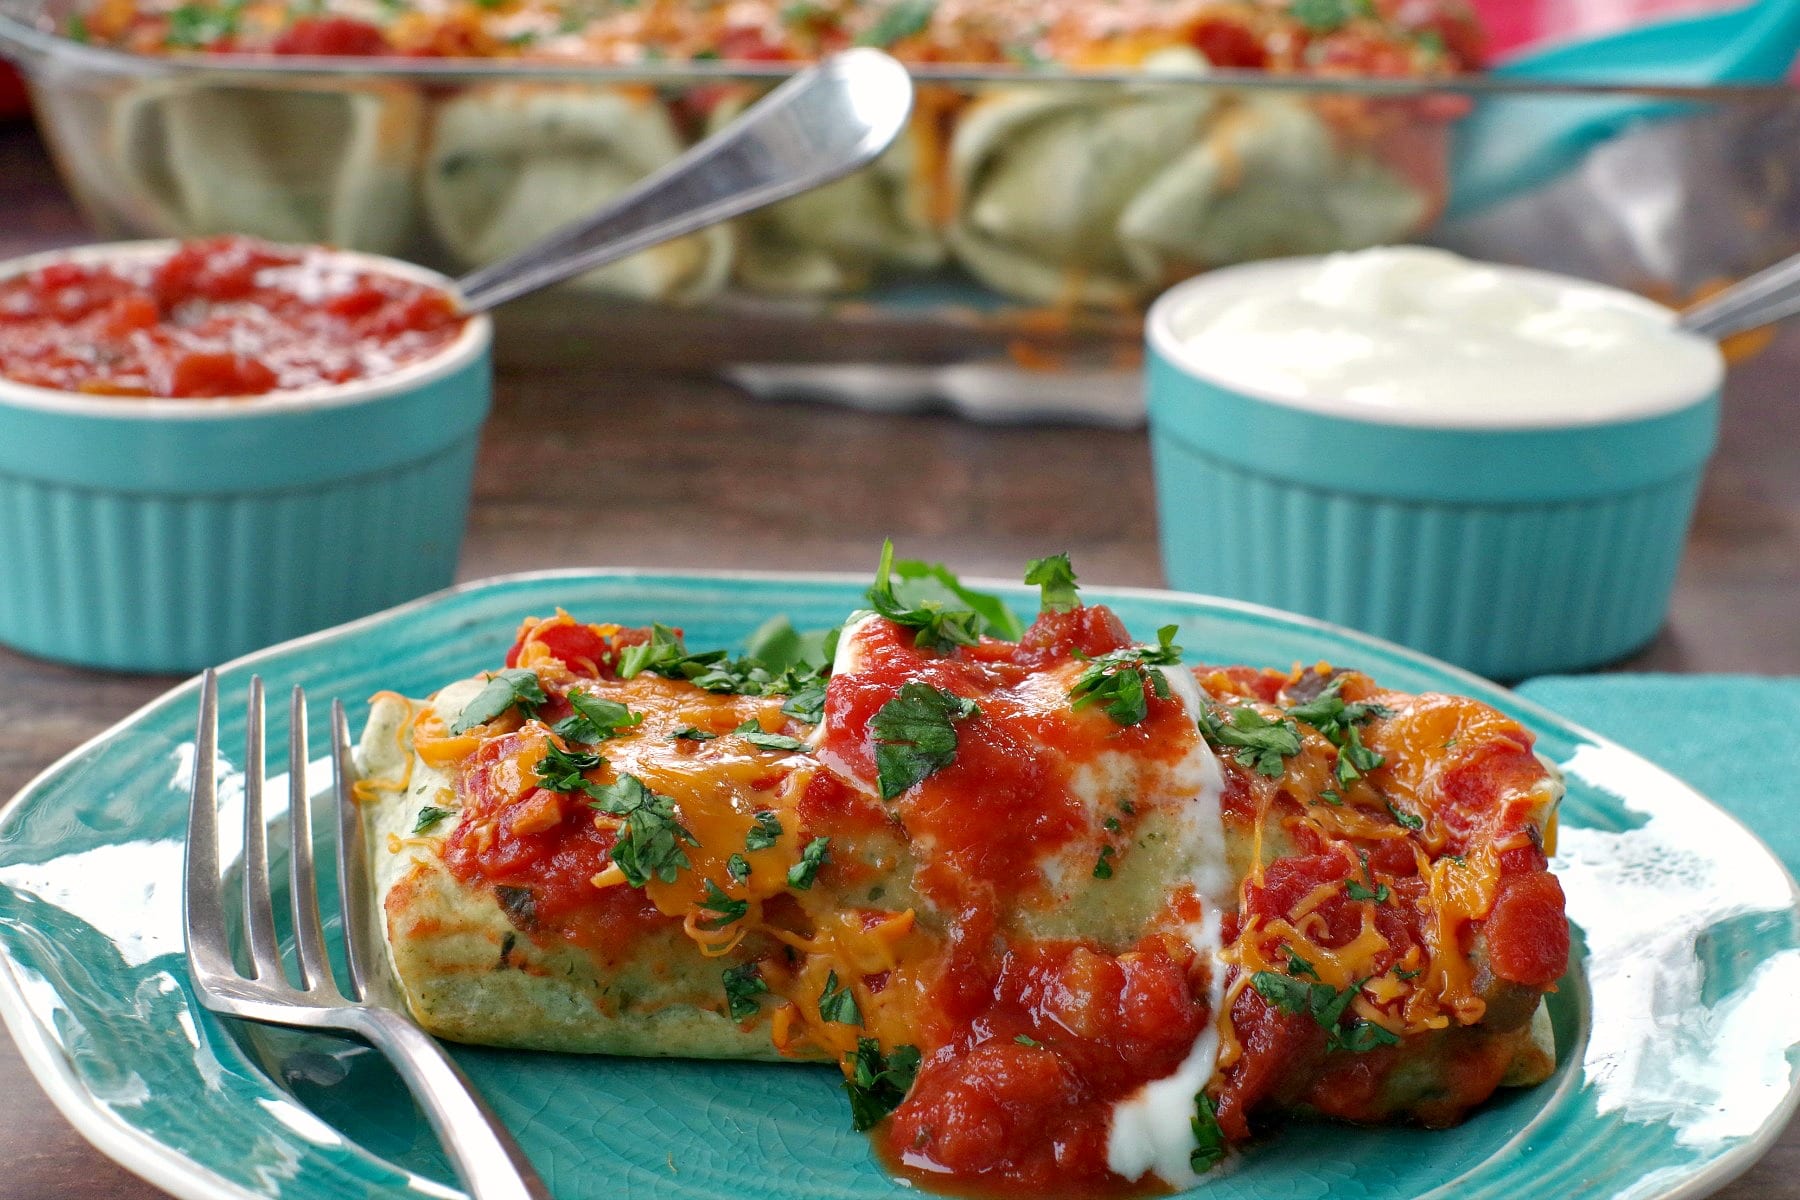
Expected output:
{"points": [[1770, 295], [824, 123]]}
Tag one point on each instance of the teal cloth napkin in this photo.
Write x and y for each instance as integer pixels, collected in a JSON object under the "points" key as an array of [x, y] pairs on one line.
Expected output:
{"points": [[1734, 737]]}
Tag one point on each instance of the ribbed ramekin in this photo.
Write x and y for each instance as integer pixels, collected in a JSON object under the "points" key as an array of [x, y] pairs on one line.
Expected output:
{"points": [[167, 535], [1508, 551]]}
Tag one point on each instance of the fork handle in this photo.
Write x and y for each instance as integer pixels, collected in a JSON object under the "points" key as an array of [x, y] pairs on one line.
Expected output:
{"points": [[487, 1159]]}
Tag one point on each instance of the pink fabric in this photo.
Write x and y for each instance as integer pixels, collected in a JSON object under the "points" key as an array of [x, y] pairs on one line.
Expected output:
{"points": [[1513, 24]]}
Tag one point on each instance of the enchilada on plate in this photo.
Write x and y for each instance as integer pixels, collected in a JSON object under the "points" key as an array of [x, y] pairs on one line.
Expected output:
{"points": [[1065, 911]]}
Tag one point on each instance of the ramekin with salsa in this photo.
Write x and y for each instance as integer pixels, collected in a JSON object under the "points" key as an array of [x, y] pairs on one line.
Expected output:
{"points": [[214, 445]]}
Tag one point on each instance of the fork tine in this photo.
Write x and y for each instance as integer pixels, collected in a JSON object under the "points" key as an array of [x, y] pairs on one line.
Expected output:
{"points": [[203, 901], [303, 884], [355, 897], [259, 907]]}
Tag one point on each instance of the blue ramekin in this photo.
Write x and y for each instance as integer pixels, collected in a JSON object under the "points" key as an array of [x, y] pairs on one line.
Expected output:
{"points": [[168, 535], [1508, 551]]}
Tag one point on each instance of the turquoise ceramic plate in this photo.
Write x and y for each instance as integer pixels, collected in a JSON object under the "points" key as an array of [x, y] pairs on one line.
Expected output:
{"points": [[1674, 1029]]}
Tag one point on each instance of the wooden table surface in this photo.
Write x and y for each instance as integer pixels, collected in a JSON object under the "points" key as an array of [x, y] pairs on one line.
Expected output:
{"points": [[595, 467]]}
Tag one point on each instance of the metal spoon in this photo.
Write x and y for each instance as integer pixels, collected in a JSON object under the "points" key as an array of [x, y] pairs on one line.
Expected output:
{"points": [[1765, 297], [821, 125]]}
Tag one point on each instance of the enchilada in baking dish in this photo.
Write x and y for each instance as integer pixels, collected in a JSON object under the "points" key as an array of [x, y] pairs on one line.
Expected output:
{"points": [[1064, 910]]}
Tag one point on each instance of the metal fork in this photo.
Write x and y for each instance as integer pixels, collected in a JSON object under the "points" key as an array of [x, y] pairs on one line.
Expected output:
{"points": [[488, 1161]]}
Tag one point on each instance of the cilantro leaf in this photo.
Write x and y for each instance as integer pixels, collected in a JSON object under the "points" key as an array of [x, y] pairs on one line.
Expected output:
{"points": [[1261, 743], [1103, 865], [1118, 679], [1025, 1039], [875, 1084], [1055, 578], [724, 907], [594, 719], [649, 843], [902, 19], [807, 702], [753, 733], [738, 867], [690, 734], [1209, 1139], [1366, 888], [514, 686], [763, 834], [564, 770], [429, 816], [838, 1004], [743, 984], [1324, 1003], [1354, 758], [1332, 715], [935, 626], [778, 646], [197, 26], [816, 855], [1298, 966], [915, 735], [1363, 1037], [1405, 818], [1323, 16]]}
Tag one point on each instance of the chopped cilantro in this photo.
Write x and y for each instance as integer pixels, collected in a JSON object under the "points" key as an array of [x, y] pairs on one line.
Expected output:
{"points": [[1362, 1037], [1323, 16], [807, 703], [1209, 1139], [778, 646], [515, 686], [816, 855], [649, 844], [1366, 888], [1111, 825], [875, 1084], [1055, 578], [429, 816], [1331, 796], [564, 770], [77, 28], [1025, 1039], [1117, 680], [915, 735], [724, 907], [753, 733], [1405, 818], [197, 26], [1261, 743], [901, 19], [762, 835], [1403, 973], [1298, 966], [690, 734], [1355, 759], [665, 654], [743, 984], [1103, 865], [738, 867], [595, 719], [928, 604], [1332, 715], [838, 1004]]}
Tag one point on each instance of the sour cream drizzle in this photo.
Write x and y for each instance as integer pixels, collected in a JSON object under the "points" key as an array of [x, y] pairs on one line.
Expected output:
{"points": [[1152, 1129]]}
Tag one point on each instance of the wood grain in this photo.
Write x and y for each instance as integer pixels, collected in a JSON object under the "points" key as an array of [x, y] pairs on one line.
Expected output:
{"points": [[601, 465]]}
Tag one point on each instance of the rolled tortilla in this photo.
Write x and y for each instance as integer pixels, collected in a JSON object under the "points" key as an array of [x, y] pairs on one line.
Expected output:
{"points": [[510, 163], [835, 239], [287, 162]]}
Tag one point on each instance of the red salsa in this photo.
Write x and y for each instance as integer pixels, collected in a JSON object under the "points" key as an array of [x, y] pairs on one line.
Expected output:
{"points": [[219, 317]]}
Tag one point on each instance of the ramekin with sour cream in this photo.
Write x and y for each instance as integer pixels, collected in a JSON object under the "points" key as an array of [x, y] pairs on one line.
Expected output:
{"points": [[149, 533], [1493, 465]]}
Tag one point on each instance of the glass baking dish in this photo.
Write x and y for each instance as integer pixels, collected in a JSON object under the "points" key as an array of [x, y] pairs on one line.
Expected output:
{"points": [[1024, 219]]}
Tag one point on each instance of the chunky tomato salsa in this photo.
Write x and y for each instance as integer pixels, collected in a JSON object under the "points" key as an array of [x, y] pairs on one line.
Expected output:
{"points": [[218, 317]]}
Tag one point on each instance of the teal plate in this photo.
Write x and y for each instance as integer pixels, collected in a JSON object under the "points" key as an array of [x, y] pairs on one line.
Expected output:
{"points": [[1676, 1028]]}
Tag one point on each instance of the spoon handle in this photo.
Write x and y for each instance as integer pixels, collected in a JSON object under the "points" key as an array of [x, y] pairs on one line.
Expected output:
{"points": [[1765, 297], [819, 126]]}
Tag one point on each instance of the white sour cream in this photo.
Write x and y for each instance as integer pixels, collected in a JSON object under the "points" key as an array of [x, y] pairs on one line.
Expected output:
{"points": [[1416, 336], [1152, 1129]]}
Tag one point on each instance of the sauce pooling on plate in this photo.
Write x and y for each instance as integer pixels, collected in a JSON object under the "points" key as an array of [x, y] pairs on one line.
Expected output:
{"points": [[219, 317]]}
